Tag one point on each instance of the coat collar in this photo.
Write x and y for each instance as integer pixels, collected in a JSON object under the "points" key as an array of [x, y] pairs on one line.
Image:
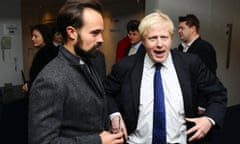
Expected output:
{"points": [[86, 69]]}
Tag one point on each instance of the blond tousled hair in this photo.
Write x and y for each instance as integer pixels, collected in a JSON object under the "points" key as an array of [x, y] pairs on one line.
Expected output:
{"points": [[156, 17]]}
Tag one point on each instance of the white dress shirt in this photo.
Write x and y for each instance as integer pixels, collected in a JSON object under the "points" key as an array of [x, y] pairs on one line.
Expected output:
{"points": [[187, 45], [175, 122]]}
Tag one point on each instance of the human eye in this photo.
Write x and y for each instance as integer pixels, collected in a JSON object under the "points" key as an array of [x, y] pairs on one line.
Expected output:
{"points": [[180, 27], [164, 38], [36, 36], [96, 32], [153, 38]]}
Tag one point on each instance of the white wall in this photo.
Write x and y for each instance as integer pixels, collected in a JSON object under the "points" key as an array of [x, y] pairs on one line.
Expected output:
{"points": [[214, 15], [11, 59]]}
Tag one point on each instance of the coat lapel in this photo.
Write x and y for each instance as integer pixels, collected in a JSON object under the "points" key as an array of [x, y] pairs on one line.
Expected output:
{"points": [[94, 81], [183, 74], [194, 46], [136, 76]]}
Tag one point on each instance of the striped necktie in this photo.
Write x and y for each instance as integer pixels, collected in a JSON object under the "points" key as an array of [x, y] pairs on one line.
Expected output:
{"points": [[159, 118]]}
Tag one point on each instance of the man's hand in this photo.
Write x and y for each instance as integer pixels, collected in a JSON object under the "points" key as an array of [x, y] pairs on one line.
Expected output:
{"points": [[200, 129], [25, 88], [109, 138]]}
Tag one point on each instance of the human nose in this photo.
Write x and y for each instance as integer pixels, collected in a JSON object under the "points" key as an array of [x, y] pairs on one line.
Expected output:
{"points": [[100, 38], [159, 41], [179, 30]]}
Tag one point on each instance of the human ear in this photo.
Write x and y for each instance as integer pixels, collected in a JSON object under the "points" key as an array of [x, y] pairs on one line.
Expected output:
{"points": [[71, 32]]}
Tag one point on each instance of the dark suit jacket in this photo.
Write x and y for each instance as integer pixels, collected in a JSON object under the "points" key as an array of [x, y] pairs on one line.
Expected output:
{"points": [[66, 104], [205, 51], [207, 54], [122, 87]]}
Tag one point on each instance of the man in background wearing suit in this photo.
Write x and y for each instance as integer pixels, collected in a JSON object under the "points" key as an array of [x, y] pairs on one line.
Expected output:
{"points": [[133, 41], [188, 30], [130, 89], [67, 100]]}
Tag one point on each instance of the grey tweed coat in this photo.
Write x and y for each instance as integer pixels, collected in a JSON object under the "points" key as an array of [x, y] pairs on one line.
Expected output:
{"points": [[66, 104]]}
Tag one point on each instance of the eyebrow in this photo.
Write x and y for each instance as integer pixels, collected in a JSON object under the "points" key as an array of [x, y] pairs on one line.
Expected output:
{"points": [[96, 31]]}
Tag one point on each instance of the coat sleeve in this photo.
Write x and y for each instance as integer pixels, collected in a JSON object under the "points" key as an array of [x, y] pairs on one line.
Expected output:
{"points": [[112, 86], [210, 87]]}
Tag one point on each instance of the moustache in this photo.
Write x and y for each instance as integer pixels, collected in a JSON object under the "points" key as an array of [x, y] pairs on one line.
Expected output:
{"points": [[94, 50], [97, 45]]}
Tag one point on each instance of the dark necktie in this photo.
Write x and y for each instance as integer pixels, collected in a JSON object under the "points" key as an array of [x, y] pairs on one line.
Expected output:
{"points": [[180, 48], [159, 120], [95, 76]]}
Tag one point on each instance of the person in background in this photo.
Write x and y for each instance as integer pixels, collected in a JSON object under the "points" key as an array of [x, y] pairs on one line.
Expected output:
{"points": [[134, 45], [57, 39], [41, 39], [188, 31], [67, 102], [134, 84], [121, 47], [134, 36]]}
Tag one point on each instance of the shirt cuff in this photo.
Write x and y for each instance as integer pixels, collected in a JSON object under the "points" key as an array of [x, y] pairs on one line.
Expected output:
{"points": [[211, 120], [114, 114]]}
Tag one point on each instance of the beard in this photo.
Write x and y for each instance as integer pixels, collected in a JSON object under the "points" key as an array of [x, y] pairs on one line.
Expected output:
{"points": [[91, 53]]}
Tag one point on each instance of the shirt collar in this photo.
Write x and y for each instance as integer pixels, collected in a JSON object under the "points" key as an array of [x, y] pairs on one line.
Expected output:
{"points": [[137, 45], [149, 63], [186, 45]]}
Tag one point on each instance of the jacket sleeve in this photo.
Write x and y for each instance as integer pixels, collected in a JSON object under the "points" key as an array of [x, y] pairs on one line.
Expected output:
{"points": [[112, 86], [210, 87]]}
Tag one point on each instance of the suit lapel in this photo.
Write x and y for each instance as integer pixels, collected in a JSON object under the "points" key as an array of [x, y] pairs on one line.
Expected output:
{"points": [[136, 76], [183, 77], [127, 50], [194, 46]]}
